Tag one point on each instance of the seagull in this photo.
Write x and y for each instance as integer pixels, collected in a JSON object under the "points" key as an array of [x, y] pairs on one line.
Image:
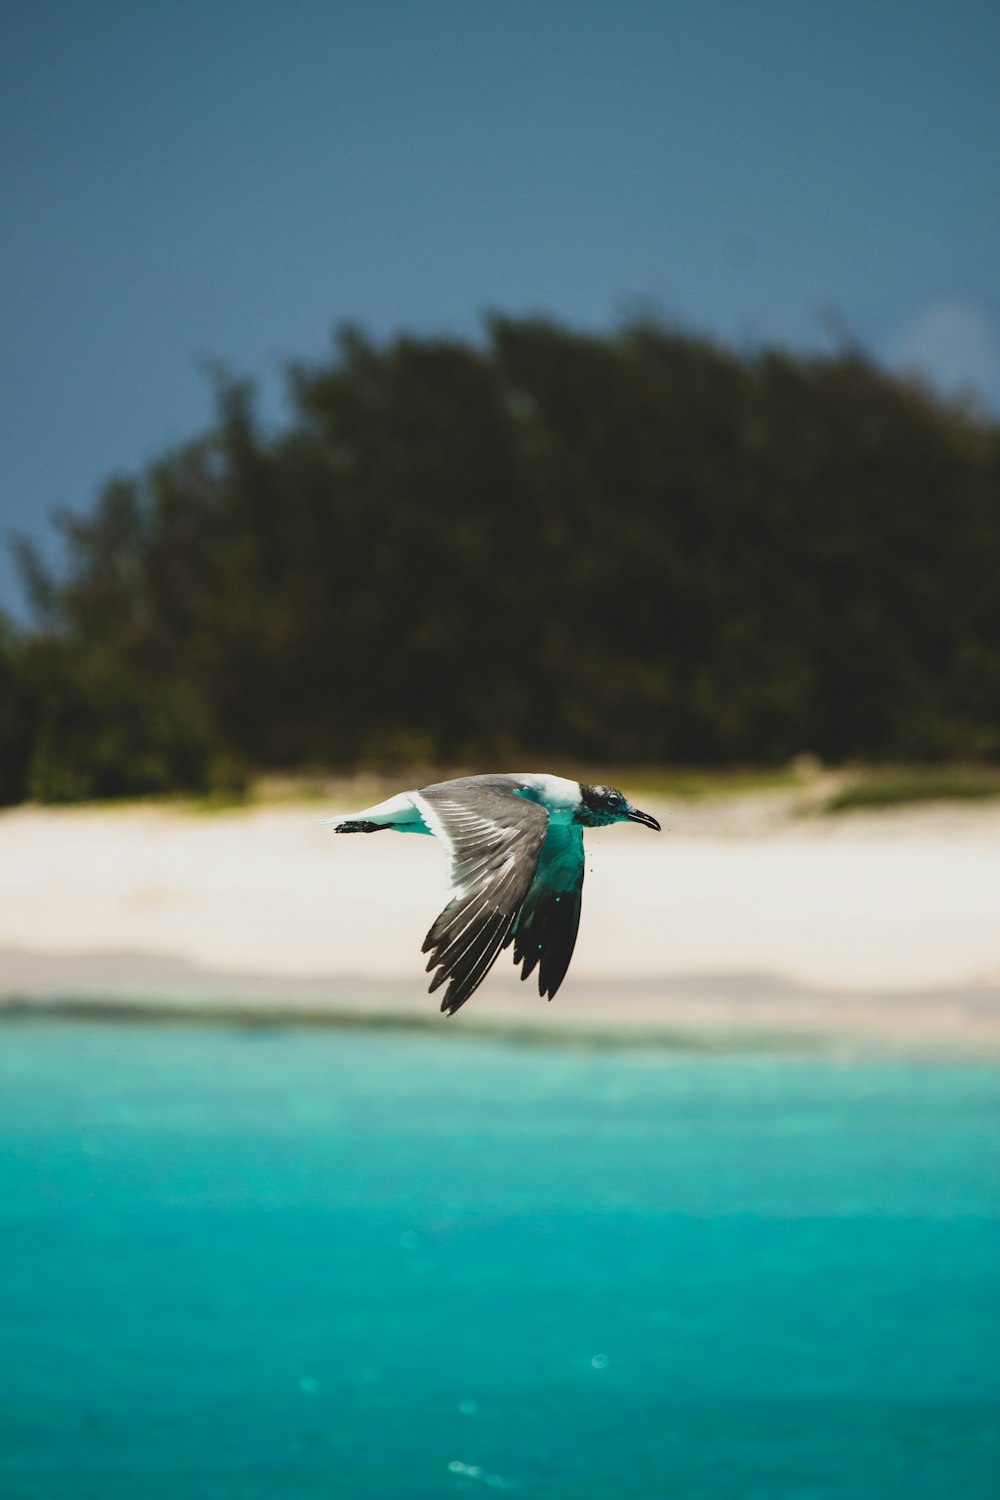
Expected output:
{"points": [[514, 845]]}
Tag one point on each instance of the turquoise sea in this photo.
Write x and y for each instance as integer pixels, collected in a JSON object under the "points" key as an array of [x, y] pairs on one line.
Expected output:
{"points": [[239, 1263]]}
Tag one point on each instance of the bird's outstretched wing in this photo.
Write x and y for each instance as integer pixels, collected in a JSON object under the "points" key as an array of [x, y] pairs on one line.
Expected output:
{"points": [[493, 839], [544, 932]]}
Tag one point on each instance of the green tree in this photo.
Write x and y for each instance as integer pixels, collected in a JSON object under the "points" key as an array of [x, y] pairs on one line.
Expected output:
{"points": [[636, 547]]}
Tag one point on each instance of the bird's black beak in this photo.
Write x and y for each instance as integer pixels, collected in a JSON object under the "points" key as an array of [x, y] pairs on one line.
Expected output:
{"points": [[646, 819]]}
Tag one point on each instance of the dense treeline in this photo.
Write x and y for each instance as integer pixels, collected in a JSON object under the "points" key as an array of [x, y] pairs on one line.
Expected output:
{"points": [[628, 548]]}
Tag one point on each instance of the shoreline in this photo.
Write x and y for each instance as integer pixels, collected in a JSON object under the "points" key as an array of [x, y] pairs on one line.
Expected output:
{"points": [[840, 1046], [696, 1013], [746, 923]]}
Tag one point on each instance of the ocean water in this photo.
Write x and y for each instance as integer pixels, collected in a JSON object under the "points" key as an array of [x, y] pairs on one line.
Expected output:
{"points": [[248, 1263]]}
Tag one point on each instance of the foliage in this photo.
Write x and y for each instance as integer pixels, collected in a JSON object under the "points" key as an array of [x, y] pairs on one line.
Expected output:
{"points": [[917, 784], [17, 722], [636, 548]]}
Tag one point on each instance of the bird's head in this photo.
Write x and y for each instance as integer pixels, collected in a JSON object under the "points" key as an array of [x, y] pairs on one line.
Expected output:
{"points": [[600, 805]]}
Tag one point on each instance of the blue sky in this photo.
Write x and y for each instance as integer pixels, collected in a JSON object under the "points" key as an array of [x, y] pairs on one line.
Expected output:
{"points": [[185, 182]]}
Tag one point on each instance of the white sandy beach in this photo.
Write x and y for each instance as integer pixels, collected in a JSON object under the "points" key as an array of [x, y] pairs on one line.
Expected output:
{"points": [[744, 914]]}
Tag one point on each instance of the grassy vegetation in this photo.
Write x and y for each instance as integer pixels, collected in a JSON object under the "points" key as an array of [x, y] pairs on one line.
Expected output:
{"points": [[909, 784], [340, 791], [859, 790], [690, 784], [687, 784]]}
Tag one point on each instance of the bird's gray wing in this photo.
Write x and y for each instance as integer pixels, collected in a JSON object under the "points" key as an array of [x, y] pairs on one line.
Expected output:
{"points": [[544, 932], [493, 838]]}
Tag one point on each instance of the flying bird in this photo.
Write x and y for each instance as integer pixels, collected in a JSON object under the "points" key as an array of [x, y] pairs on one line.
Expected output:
{"points": [[515, 869]]}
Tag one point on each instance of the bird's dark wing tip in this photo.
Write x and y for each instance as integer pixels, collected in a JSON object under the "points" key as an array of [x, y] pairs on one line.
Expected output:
{"points": [[453, 999]]}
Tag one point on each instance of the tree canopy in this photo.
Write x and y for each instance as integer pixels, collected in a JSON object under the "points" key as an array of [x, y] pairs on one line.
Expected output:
{"points": [[636, 547]]}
